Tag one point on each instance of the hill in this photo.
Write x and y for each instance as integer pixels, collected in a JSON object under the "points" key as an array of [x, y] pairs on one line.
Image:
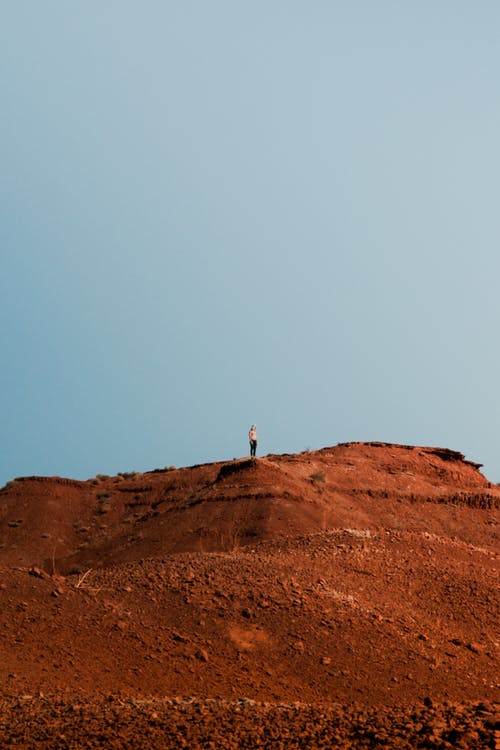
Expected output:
{"points": [[361, 575]]}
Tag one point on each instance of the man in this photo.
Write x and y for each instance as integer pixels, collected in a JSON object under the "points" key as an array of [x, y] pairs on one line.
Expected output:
{"points": [[252, 436]]}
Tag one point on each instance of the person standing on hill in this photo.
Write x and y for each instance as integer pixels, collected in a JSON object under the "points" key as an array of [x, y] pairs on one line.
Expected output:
{"points": [[252, 436]]}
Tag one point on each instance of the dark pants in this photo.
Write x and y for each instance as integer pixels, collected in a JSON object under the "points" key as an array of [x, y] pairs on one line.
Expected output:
{"points": [[253, 447]]}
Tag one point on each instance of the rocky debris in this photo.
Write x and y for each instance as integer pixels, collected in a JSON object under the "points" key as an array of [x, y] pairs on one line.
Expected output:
{"points": [[181, 638], [202, 655], [37, 572], [187, 722]]}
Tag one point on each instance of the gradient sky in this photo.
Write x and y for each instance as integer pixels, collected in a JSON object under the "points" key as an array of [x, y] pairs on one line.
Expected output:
{"points": [[219, 213]]}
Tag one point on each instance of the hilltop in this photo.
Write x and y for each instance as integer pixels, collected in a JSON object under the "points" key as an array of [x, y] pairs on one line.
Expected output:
{"points": [[223, 506]]}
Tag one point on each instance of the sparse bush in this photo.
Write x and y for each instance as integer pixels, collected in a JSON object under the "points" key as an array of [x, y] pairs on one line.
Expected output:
{"points": [[317, 476]]}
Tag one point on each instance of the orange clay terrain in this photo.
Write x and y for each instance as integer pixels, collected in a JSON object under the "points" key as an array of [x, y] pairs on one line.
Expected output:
{"points": [[342, 598]]}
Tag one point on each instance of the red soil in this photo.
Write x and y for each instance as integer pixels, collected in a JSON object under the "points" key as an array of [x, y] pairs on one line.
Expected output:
{"points": [[359, 581]]}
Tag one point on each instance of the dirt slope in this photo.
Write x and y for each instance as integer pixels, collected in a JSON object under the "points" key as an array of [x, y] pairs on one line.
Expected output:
{"points": [[223, 506], [361, 575]]}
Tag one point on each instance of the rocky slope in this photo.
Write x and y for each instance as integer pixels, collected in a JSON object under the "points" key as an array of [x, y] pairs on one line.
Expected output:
{"points": [[341, 584]]}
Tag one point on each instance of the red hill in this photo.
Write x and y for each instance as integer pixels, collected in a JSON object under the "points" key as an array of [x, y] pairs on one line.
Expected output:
{"points": [[360, 575]]}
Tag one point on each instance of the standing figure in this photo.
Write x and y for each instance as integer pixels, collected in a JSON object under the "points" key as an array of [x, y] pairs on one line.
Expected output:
{"points": [[252, 436]]}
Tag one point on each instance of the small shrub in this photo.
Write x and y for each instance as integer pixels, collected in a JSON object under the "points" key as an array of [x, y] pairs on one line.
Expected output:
{"points": [[317, 476]]}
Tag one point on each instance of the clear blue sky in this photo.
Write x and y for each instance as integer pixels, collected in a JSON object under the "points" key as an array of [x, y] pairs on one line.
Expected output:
{"points": [[219, 213]]}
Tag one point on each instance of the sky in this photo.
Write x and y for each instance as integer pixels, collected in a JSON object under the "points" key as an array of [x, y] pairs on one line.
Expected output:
{"points": [[225, 213]]}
